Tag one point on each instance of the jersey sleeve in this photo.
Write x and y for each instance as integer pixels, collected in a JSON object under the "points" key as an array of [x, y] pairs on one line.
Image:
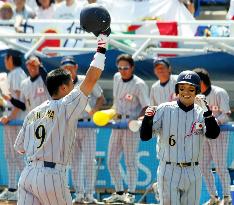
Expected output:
{"points": [[19, 142], [22, 92], [152, 97], [114, 90], [224, 102], [143, 95], [74, 103], [158, 119], [16, 79], [97, 91]]}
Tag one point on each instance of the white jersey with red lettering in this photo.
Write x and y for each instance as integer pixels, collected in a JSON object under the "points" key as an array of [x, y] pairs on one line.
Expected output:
{"points": [[130, 97], [216, 150], [161, 93], [33, 92], [83, 163], [47, 137], [180, 132]]}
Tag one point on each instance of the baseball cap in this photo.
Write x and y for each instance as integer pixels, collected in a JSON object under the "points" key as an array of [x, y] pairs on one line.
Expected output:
{"points": [[13, 52], [161, 61], [32, 57], [68, 60]]}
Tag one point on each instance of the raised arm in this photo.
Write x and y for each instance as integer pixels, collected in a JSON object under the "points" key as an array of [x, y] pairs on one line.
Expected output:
{"points": [[96, 67]]}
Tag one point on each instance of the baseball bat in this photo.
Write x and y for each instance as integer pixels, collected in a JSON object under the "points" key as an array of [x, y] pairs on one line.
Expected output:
{"points": [[102, 117]]}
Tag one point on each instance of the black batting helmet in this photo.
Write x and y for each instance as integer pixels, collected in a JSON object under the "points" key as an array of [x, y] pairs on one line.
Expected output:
{"points": [[188, 77], [96, 19]]}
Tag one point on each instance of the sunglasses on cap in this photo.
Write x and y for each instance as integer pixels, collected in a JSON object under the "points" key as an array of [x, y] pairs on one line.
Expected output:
{"points": [[123, 67]]}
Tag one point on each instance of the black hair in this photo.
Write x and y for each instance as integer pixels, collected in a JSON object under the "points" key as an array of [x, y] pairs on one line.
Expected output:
{"points": [[39, 4], [125, 57], [204, 76], [56, 78], [16, 57]]}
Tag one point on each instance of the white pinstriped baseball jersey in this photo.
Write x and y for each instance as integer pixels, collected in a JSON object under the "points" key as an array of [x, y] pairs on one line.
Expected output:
{"points": [[130, 97], [33, 93], [45, 136], [163, 93], [218, 101], [180, 133], [15, 78], [96, 93]]}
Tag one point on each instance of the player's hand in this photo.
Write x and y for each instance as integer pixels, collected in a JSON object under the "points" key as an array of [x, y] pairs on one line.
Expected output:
{"points": [[102, 40], [6, 97], [91, 112], [150, 111], [199, 100], [4, 120]]}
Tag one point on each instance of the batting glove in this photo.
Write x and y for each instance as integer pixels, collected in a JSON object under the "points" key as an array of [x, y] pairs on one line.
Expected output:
{"points": [[201, 102], [102, 41], [150, 111]]}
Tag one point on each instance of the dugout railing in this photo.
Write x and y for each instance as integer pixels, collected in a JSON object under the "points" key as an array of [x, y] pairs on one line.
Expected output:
{"points": [[146, 46]]}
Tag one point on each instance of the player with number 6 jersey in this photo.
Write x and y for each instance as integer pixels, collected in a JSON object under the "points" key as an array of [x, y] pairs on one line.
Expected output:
{"points": [[181, 128]]}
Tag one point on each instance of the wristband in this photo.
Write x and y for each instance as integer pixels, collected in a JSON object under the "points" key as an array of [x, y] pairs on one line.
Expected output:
{"points": [[98, 61]]}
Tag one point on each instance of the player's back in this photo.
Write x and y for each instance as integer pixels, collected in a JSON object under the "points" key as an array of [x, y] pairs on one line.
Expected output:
{"points": [[48, 132]]}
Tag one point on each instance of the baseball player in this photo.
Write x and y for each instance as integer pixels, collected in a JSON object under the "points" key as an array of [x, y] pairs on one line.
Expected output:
{"points": [[216, 150], [83, 162], [33, 89], [15, 162], [180, 127], [48, 134], [162, 90], [130, 101]]}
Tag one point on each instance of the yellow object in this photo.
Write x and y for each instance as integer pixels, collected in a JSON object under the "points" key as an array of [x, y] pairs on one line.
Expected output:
{"points": [[102, 117]]}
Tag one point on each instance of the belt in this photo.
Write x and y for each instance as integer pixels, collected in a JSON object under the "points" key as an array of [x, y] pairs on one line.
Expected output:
{"points": [[84, 120], [184, 164], [122, 116], [47, 164]]}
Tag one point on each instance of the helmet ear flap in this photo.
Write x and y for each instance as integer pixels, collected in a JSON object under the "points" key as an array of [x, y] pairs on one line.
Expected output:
{"points": [[176, 89]]}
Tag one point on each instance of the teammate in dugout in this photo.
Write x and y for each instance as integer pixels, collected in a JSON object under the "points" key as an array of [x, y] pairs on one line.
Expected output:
{"points": [[15, 162], [163, 90], [130, 101], [216, 150], [181, 127], [33, 89], [53, 124], [83, 162]]}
